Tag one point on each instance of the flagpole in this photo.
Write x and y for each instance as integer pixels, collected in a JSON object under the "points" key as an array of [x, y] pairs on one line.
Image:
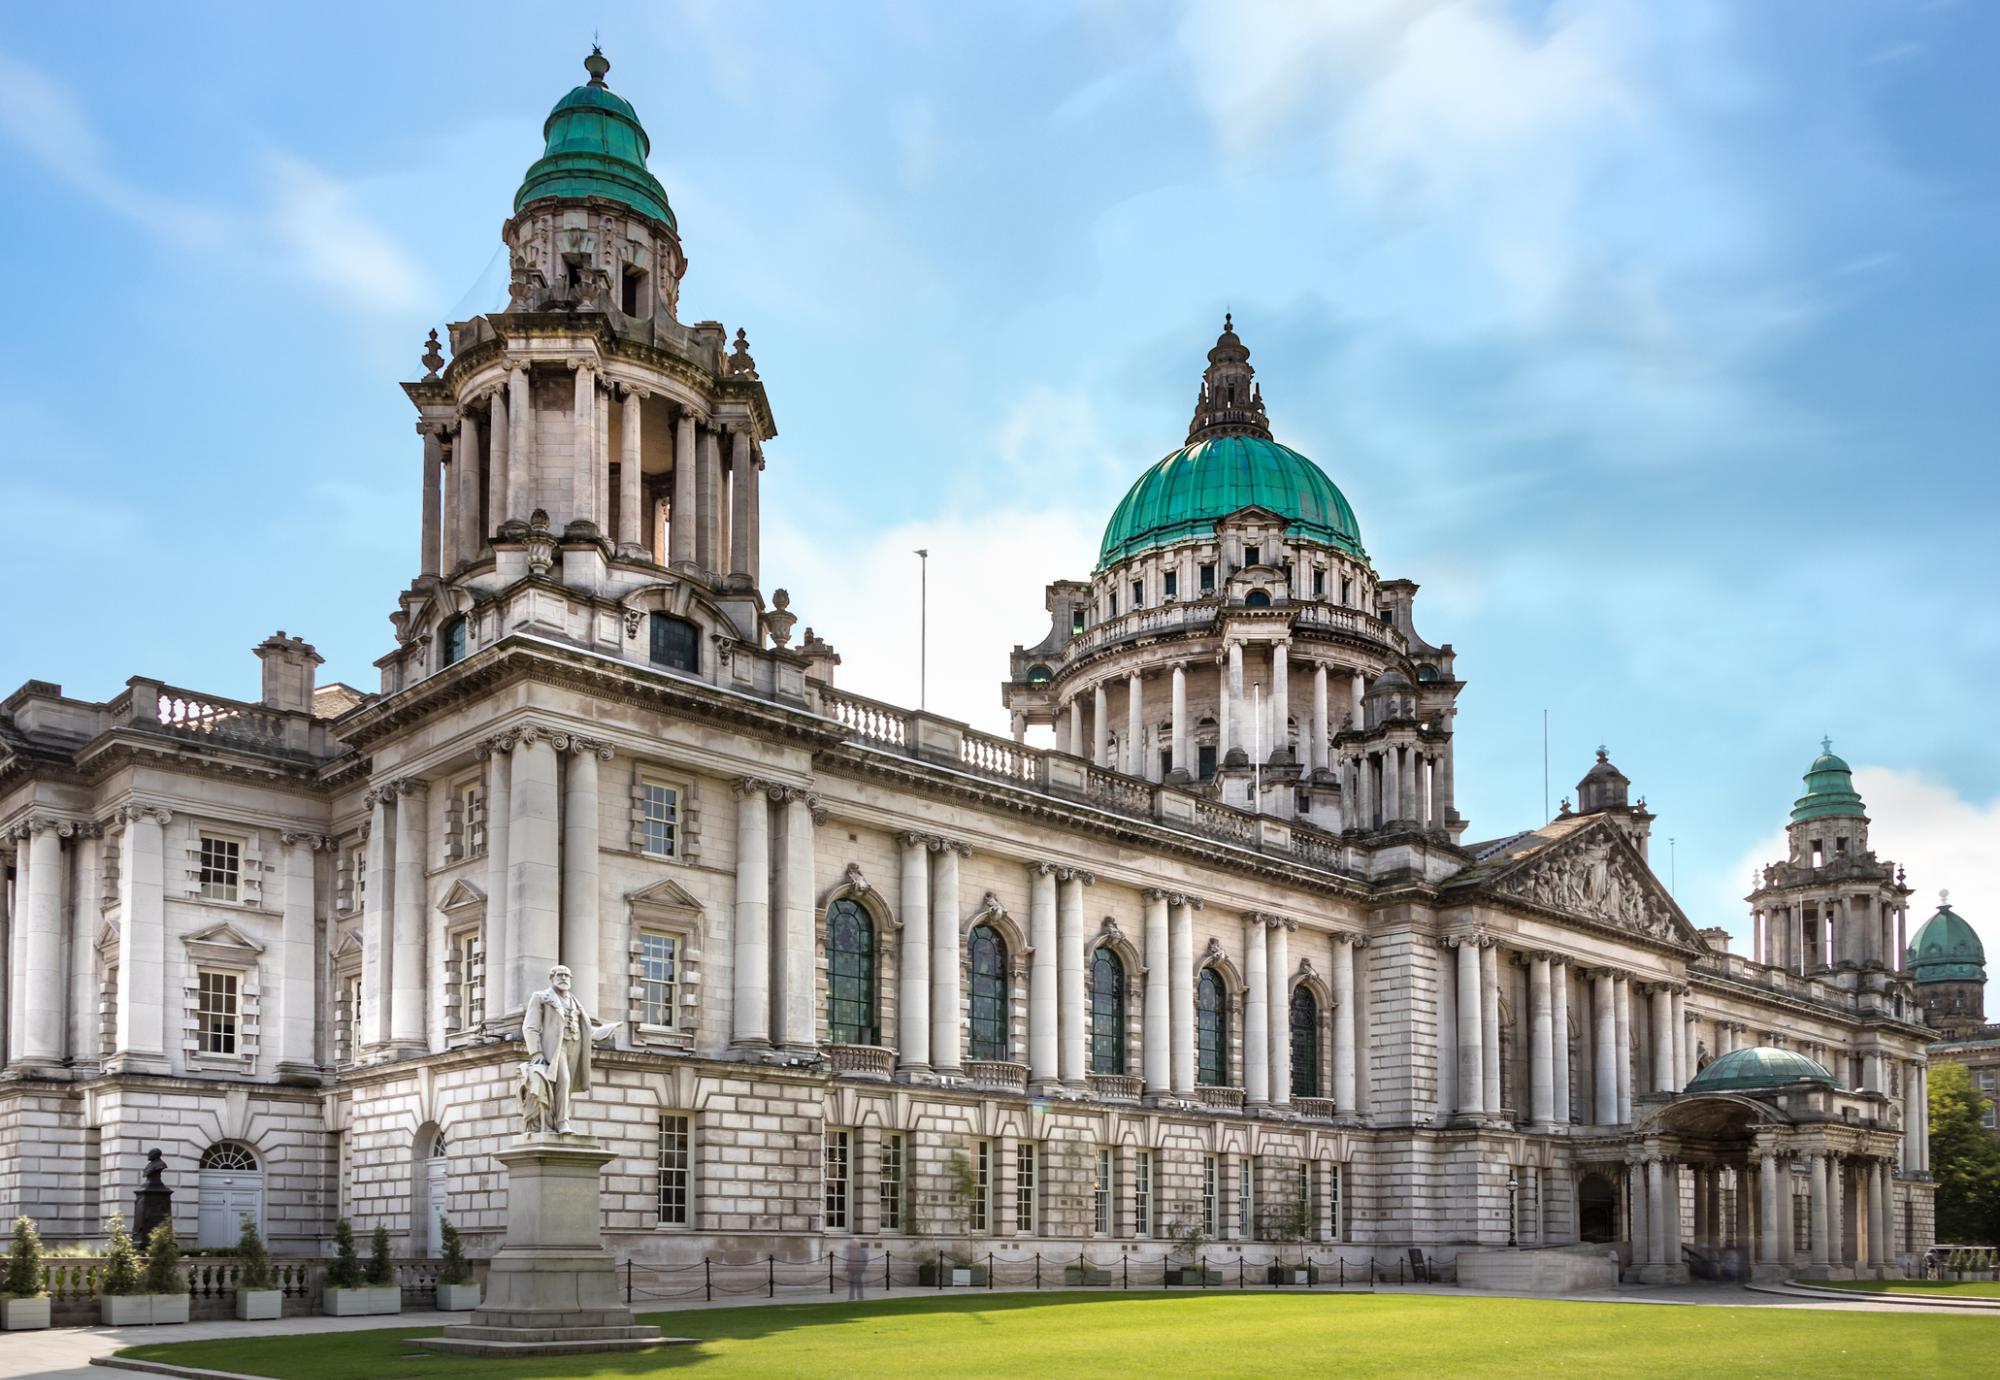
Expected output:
{"points": [[923, 625]]}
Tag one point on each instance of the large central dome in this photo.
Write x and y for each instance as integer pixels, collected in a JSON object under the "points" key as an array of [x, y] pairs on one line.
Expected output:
{"points": [[1229, 462]]}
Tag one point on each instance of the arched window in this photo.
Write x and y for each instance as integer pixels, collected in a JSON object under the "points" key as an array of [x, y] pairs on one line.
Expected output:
{"points": [[986, 952], [850, 974], [1305, 1043], [1107, 1012], [1211, 1030], [451, 642], [228, 1155], [1256, 599], [1040, 675], [676, 643]]}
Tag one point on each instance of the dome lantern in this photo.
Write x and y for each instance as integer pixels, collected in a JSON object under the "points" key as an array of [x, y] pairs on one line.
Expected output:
{"points": [[594, 145], [1830, 792]]}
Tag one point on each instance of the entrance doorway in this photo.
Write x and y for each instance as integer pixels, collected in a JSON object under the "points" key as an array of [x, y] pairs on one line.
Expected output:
{"points": [[229, 1187], [1597, 1210]]}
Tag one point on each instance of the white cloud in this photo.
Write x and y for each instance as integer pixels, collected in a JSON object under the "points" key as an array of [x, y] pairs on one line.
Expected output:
{"points": [[332, 242], [1943, 841]]}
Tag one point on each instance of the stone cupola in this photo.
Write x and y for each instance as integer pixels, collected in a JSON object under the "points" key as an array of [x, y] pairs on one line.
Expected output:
{"points": [[1230, 402]]}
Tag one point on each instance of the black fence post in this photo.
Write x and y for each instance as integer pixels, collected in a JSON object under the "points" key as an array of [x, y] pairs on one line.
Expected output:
{"points": [[829, 1273], [1038, 1269], [771, 1274], [1201, 1269], [628, 1279], [940, 1272], [1239, 1272], [707, 1281], [1343, 1272], [888, 1271], [1125, 1263], [989, 1272]]}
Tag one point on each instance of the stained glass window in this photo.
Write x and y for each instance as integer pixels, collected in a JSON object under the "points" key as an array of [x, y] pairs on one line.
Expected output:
{"points": [[1107, 1013], [987, 953], [1211, 1030], [850, 964], [1305, 1043]]}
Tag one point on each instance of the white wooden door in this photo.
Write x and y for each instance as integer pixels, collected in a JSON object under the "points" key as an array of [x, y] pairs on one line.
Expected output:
{"points": [[223, 1197], [434, 1200]]}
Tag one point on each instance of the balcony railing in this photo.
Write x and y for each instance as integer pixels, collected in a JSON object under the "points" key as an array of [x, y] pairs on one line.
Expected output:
{"points": [[1222, 1099], [861, 1061], [1314, 1108], [1115, 1087], [997, 1074]]}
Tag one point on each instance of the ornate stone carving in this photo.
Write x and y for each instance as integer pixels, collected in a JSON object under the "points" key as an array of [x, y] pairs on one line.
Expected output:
{"points": [[1594, 878], [859, 883]]}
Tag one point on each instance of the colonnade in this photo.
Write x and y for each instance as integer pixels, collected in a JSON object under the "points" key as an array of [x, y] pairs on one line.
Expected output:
{"points": [[710, 514], [1805, 934], [1397, 782]]}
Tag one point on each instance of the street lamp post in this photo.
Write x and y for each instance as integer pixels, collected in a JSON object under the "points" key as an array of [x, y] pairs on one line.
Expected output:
{"points": [[1513, 1208]]}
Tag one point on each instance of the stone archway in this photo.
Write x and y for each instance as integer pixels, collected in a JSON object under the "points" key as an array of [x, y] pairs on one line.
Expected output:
{"points": [[1597, 1209]]}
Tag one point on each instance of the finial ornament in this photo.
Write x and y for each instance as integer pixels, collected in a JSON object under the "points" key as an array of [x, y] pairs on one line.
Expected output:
{"points": [[433, 359], [1603, 754], [597, 65], [1826, 742], [1944, 899]]}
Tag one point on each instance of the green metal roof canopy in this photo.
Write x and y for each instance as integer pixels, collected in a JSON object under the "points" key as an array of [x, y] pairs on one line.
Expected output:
{"points": [[1744, 1070], [1829, 789], [1189, 491], [595, 146], [1946, 949]]}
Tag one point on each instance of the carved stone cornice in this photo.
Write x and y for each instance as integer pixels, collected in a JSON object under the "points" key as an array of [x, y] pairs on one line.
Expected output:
{"points": [[315, 842], [133, 812], [1076, 874], [1035, 869], [1155, 895], [576, 742]]}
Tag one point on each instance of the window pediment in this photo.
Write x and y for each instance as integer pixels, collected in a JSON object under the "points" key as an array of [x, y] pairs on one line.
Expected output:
{"points": [[666, 897], [223, 944], [463, 896]]}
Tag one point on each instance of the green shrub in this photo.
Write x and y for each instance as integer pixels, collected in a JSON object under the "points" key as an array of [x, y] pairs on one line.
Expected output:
{"points": [[257, 1272], [121, 1261], [345, 1271], [24, 1261], [455, 1269], [163, 1262], [381, 1270]]}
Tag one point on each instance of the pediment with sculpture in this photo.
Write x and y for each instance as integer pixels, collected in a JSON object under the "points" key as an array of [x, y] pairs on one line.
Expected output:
{"points": [[1596, 875]]}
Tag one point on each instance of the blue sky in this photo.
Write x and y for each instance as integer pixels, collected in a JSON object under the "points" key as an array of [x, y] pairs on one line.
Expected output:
{"points": [[1655, 341]]}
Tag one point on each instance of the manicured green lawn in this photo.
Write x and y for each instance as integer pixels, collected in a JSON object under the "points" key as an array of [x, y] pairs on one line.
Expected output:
{"points": [[1972, 1288], [1051, 1335]]}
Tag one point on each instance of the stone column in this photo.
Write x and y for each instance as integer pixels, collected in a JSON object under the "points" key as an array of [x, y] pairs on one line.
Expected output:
{"points": [[1256, 1014], [1541, 1016], [1100, 726], [297, 958], [1703, 1224], [1924, 1117], [1817, 1181], [1356, 688], [756, 516], [1638, 1227], [1364, 773], [37, 983], [377, 915], [1409, 792], [1158, 1022], [1135, 727], [410, 931], [1663, 1038], [742, 464], [140, 1036], [499, 446], [1392, 781], [1489, 1020], [1836, 1210], [520, 445], [579, 928], [601, 496], [583, 442], [947, 1019], [1604, 1060], [1656, 1212], [1319, 723], [1471, 1025], [1623, 1055], [1910, 1118], [797, 1007], [1670, 1172], [427, 557], [1877, 1179], [1559, 1024], [913, 978], [1043, 1065], [1280, 959], [465, 486], [1445, 794], [1180, 991], [708, 498], [1075, 744], [1069, 958], [493, 942], [1179, 775], [533, 878], [1767, 1194], [681, 519], [1281, 702], [631, 462], [1232, 694], [1344, 1016]]}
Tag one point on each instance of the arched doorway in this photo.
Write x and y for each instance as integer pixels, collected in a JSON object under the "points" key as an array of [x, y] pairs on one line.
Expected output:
{"points": [[434, 1177], [1596, 1210], [229, 1186]]}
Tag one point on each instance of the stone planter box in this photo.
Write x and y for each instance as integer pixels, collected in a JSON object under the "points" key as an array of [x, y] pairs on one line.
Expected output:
{"points": [[955, 1276], [457, 1298], [1087, 1276], [1292, 1274], [140, 1310], [1190, 1277], [23, 1315], [259, 1305], [362, 1301]]}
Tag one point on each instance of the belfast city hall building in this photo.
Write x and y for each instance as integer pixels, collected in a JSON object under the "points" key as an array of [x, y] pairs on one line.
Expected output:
{"points": [[1224, 964]]}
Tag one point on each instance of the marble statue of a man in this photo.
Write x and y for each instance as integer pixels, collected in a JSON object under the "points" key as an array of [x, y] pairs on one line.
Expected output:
{"points": [[559, 1035]]}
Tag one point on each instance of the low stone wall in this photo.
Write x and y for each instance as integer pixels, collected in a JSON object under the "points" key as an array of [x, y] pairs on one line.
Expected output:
{"points": [[1552, 1270]]}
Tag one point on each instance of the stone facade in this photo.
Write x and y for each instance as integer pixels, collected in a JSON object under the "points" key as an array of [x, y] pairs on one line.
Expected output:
{"points": [[880, 973]]}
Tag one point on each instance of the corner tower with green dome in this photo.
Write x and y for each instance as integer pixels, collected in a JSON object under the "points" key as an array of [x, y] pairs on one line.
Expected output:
{"points": [[1235, 639], [1948, 964]]}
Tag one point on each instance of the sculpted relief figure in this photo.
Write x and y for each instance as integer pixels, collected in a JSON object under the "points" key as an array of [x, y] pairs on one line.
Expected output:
{"points": [[559, 1035]]}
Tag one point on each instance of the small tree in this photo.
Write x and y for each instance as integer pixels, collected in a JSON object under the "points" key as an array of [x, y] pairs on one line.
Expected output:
{"points": [[163, 1262], [381, 1270], [24, 1261], [121, 1261], [1965, 1158], [256, 1272], [345, 1271], [455, 1269]]}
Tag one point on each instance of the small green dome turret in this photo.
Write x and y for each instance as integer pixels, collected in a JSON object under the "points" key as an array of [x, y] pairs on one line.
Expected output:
{"points": [[1945, 949], [1758, 1068], [595, 146], [1829, 789]]}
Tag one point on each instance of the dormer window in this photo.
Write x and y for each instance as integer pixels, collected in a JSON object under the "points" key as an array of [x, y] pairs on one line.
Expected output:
{"points": [[1253, 555]]}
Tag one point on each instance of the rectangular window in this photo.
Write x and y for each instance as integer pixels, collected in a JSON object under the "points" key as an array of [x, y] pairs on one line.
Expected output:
{"points": [[357, 868], [1801, 1222], [1307, 1206], [1246, 1196], [1104, 1199], [1027, 1189], [215, 1011], [1076, 622], [221, 869], [1346, 591], [464, 970], [1333, 1201], [1172, 583], [979, 1211], [1208, 1192], [676, 1169], [1208, 578], [659, 819], [1111, 603], [891, 1188], [1204, 757], [676, 643], [1138, 595], [659, 980], [1142, 1194], [472, 819], [347, 1020], [1319, 583], [1253, 555], [835, 1172]]}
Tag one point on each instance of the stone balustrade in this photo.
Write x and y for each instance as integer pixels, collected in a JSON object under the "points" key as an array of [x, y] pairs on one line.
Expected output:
{"points": [[996, 1074], [1220, 1099], [861, 1061], [1115, 1087], [1313, 1108]]}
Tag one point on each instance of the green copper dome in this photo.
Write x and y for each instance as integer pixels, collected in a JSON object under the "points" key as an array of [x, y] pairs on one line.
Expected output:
{"points": [[596, 147], [1185, 494], [1946, 949], [1829, 789], [1746, 1070]]}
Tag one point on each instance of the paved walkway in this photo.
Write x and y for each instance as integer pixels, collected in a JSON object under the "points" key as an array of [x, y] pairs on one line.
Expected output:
{"points": [[64, 1353]]}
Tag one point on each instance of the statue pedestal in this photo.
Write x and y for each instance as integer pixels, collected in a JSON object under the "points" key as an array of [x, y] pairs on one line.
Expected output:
{"points": [[552, 1289]]}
